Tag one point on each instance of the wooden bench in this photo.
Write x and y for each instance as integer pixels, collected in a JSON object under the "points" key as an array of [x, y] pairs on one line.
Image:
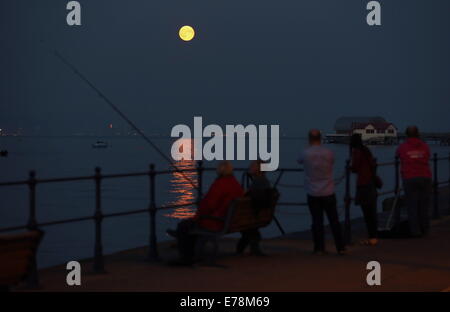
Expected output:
{"points": [[17, 256], [243, 214]]}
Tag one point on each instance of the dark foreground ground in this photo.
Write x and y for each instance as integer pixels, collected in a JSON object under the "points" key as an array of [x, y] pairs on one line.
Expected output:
{"points": [[406, 265]]}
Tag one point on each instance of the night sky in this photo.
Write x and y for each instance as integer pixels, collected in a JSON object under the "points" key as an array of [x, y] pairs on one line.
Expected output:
{"points": [[296, 63]]}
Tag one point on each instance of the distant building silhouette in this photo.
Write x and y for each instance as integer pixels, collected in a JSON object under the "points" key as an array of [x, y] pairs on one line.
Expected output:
{"points": [[344, 125], [373, 130]]}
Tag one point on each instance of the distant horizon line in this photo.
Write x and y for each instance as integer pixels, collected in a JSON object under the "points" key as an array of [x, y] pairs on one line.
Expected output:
{"points": [[119, 136], [289, 136]]}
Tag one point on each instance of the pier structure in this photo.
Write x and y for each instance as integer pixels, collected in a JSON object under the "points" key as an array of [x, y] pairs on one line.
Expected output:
{"points": [[439, 138], [375, 130]]}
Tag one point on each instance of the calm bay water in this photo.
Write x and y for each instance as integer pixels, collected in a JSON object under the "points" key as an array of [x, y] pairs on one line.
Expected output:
{"points": [[74, 156]]}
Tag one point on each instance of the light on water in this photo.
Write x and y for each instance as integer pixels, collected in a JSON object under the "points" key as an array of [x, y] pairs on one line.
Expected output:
{"points": [[183, 190]]}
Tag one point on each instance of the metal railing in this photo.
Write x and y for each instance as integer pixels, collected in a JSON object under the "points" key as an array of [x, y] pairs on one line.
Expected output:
{"points": [[99, 215]]}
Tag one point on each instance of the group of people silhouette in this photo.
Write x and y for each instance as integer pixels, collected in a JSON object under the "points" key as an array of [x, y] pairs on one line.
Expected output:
{"points": [[318, 164]]}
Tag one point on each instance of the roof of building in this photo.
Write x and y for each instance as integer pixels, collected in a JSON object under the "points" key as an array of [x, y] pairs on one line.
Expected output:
{"points": [[345, 123], [377, 125]]}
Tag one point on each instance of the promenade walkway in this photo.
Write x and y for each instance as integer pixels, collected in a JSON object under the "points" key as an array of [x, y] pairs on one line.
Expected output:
{"points": [[406, 264]]}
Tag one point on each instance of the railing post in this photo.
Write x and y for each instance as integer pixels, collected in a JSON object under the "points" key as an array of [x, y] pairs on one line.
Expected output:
{"points": [[199, 180], [435, 187], [153, 247], [98, 218], [347, 202], [33, 278], [397, 212]]}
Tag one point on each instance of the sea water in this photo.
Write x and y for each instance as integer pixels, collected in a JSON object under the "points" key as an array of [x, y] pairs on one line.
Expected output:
{"points": [[54, 157]]}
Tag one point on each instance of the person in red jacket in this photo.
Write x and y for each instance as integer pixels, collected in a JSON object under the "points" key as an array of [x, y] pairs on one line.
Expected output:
{"points": [[414, 157], [215, 203], [364, 165]]}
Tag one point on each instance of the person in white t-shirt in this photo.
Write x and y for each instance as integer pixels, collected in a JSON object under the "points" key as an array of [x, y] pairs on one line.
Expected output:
{"points": [[318, 164]]}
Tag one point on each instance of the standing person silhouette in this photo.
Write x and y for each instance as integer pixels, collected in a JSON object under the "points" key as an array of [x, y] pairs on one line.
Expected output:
{"points": [[364, 165], [414, 157], [318, 162]]}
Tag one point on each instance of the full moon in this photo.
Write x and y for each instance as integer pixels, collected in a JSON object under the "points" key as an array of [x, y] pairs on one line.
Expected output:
{"points": [[186, 33]]}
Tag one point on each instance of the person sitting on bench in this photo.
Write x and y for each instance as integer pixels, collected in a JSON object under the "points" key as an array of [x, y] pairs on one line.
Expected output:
{"points": [[215, 204], [258, 191]]}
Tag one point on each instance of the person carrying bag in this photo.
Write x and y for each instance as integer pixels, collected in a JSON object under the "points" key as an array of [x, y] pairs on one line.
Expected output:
{"points": [[364, 165]]}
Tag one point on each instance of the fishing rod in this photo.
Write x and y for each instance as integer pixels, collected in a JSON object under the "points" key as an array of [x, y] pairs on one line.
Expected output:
{"points": [[121, 114], [124, 117]]}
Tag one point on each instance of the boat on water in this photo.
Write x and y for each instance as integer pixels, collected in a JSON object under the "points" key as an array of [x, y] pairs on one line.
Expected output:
{"points": [[100, 144], [3, 153]]}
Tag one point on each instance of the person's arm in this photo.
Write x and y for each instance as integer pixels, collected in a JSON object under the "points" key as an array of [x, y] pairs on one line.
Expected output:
{"points": [[241, 189], [207, 203]]}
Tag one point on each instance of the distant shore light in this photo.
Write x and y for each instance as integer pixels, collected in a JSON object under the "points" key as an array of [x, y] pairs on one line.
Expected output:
{"points": [[186, 33]]}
